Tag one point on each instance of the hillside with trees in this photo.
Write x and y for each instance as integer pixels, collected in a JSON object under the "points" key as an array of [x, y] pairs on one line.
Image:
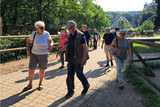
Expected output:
{"points": [[137, 18]]}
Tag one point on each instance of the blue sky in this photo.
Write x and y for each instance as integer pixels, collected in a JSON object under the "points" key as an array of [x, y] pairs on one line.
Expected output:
{"points": [[122, 5]]}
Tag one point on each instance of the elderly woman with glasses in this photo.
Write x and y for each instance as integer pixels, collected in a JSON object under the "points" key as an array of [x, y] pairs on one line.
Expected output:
{"points": [[41, 42], [123, 46]]}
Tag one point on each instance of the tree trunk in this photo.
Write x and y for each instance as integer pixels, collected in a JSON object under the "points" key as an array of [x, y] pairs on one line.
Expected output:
{"points": [[157, 20], [39, 13], [15, 13]]}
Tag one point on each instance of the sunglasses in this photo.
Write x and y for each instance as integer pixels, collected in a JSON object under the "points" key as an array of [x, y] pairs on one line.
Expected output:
{"points": [[41, 28]]}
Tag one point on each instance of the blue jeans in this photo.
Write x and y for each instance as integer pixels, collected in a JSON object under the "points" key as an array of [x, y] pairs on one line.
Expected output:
{"points": [[119, 63], [72, 69]]}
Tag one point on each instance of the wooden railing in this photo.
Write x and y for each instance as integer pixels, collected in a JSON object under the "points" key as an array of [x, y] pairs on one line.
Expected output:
{"points": [[20, 48], [149, 70]]}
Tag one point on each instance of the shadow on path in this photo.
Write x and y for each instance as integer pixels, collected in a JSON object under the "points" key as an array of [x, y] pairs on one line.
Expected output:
{"points": [[48, 75], [15, 98], [58, 102]]}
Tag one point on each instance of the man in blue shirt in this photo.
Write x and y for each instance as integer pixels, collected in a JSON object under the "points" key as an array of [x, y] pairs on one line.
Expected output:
{"points": [[107, 39], [87, 34], [76, 55]]}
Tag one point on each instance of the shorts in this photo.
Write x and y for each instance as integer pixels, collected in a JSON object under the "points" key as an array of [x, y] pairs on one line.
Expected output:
{"points": [[41, 60], [106, 49]]}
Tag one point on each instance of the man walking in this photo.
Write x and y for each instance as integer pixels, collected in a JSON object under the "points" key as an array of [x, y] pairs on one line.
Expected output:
{"points": [[107, 39], [87, 34], [116, 31], [76, 54], [96, 36]]}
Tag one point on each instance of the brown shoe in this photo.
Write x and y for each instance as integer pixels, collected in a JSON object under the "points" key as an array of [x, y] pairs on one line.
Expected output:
{"points": [[27, 88]]}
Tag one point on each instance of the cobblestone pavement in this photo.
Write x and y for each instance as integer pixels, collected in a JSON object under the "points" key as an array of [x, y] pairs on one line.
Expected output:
{"points": [[54, 84]]}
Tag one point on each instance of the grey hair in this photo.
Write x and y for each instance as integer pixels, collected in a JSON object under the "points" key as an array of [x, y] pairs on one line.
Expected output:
{"points": [[107, 28], [85, 26], [39, 24]]}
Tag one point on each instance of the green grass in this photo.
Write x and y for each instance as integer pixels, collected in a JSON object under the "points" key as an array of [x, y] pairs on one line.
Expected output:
{"points": [[145, 49], [151, 98], [156, 34]]}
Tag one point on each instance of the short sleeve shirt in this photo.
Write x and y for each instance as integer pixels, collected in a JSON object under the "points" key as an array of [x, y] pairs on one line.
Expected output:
{"points": [[71, 43], [87, 36], [108, 38], [95, 36], [40, 43], [62, 39], [123, 47]]}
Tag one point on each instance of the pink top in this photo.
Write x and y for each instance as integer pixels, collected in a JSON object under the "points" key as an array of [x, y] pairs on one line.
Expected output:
{"points": [[62, 39]]}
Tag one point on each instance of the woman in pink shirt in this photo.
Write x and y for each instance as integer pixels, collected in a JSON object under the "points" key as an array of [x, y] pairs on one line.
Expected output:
{"points": [[63, 39]]}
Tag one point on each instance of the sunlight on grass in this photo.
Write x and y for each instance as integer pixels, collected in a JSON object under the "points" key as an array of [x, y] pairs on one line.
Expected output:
{"points": [[145, 49]]}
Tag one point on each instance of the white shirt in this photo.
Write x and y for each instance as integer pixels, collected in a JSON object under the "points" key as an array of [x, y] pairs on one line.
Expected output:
{"points": [[40, 44]]}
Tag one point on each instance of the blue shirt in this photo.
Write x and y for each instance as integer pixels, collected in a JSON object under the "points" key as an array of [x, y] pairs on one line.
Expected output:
{"points": [[71, 43]]}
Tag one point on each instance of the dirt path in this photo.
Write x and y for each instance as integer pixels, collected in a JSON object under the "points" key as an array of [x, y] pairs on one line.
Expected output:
{"points": [[111, 96], [14, 66]]}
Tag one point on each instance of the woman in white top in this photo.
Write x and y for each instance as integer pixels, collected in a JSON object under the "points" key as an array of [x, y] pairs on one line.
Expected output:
{"points": [[42, 45]]}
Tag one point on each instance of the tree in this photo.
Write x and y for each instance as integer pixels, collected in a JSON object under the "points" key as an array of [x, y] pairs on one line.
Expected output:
{"points": [[147, 25], [157, 19], [54, 13]]}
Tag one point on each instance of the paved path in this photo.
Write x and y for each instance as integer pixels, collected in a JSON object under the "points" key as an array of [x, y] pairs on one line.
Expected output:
{"points": [[55, 84]]}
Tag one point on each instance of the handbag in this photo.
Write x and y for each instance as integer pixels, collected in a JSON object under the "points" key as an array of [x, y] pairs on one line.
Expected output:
{"points": [[31, 46], [113, 52]]}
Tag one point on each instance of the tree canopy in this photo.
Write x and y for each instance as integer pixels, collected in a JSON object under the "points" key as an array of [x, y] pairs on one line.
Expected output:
{"points": [[54, 13]]}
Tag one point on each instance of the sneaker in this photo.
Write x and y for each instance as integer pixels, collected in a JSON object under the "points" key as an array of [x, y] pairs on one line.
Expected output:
{"points": [[121, 86], [85, 90], [61, 67], [69, 95]]}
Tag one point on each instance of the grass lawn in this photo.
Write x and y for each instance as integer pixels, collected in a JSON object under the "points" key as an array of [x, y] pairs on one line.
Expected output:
{"points": [[156, 34], [145, 49]]}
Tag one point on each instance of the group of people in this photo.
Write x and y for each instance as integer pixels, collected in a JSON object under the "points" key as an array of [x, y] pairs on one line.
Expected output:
{"points": [[75, 45], [63, 39]]}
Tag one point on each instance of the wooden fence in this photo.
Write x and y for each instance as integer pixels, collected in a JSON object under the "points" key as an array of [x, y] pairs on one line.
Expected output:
{"points": [[149, 70], [20, 48]]}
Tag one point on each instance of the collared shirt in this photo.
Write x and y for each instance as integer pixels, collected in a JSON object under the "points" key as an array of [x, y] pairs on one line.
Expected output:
{"points": [[87, 35], [108, 38], [71, 43]]}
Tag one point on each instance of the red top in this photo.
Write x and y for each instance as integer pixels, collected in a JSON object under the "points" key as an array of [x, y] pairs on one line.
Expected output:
{"points": [[63, 39]]}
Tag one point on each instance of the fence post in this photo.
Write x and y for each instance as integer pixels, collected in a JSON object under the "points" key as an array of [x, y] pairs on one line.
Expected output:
{"points": [[0, 26], [131, 45]]}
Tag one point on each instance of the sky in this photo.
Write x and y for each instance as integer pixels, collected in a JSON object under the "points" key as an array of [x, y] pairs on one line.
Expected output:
{"points": [[122, 5]]}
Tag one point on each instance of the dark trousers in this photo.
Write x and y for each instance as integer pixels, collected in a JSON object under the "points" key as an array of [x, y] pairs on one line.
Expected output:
{"points": [[95, 44], [62, 57], [72, 69]]}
